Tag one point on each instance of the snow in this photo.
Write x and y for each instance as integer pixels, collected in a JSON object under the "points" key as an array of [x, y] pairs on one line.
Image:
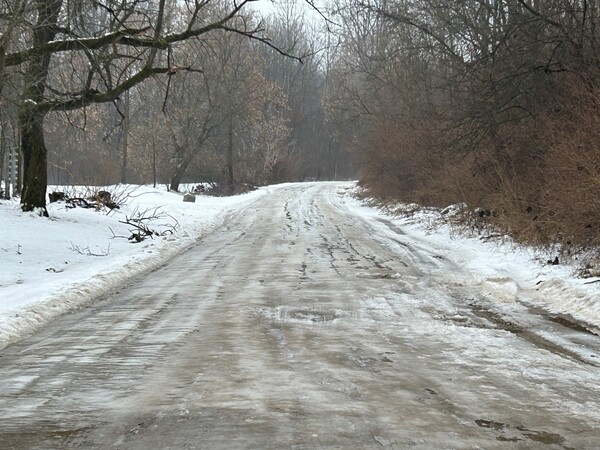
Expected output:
{"points": [[49, 267], [502, 270]]}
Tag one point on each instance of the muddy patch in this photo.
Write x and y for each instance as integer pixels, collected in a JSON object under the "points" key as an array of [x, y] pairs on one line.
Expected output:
{"points": [[542, 436], [303, 276], [383, 276], [509, 433], [537, 340], [465, 322], [571, 324], [361, 357], [498, 426], [45, 436], [391, 226]]}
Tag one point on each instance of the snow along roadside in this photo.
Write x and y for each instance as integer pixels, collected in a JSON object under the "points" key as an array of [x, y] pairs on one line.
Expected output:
{"points": [[49, 267], [503, 270]]}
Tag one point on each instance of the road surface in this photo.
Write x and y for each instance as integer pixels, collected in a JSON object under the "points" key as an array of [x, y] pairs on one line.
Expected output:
{"points": [[302, 325]]}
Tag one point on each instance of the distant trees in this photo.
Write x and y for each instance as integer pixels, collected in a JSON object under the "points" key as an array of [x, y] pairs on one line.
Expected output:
{"points": [[76, 54], [157, 90], [312, 151], [223, 122]]}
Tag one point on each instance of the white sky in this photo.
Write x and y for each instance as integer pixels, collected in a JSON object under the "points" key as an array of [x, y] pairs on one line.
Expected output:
{"points": [[266, 7]]}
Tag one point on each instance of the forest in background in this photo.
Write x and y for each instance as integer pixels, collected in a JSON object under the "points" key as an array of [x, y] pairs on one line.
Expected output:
{"points": [[489, 104], [195, 90]]}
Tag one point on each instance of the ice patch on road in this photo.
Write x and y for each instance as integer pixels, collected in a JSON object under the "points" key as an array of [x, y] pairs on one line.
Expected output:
{"points": [[309, 316]]}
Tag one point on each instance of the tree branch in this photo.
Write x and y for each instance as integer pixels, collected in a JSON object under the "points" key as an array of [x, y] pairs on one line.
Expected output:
{"points": [[252, 35], [89, 97], [123, 37]]}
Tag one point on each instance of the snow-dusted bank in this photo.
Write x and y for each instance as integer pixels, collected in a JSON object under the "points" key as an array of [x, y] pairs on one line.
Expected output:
{"points": [[51, 266], [503, 270]]}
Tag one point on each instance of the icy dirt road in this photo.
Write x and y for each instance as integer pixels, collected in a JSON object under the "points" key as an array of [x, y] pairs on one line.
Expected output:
{"points": [[303, 325]]}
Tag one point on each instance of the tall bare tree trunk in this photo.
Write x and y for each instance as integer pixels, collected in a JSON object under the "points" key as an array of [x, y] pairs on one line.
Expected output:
{"points": [[31, 117], [177, 177], [18, 186], [33, 147], [125, 136], [4, 164], [183, 161], [153, 162], [230, 179]]}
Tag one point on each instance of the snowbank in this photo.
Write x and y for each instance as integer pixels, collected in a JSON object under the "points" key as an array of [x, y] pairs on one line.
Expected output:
{"points": [[505, 271]]}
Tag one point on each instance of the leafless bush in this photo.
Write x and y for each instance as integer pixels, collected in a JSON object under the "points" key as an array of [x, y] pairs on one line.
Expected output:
{"points": [[224, 189], [140, 224], [571, 196], [388, 160], [87, 251]]}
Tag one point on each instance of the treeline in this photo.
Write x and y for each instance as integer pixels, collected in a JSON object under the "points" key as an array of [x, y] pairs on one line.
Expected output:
{"points": [[100, 92], [493, 104], [243, 114]]}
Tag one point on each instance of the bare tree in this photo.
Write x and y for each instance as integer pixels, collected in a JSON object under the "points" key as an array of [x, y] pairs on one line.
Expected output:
{"points": [[97, 32], [222, 121]]}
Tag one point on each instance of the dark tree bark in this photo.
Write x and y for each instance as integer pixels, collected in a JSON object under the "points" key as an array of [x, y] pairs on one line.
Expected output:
{"points": [[31, 119], [177, 176], [230, 177], [34, 153], [125, 137], [181, 168]]}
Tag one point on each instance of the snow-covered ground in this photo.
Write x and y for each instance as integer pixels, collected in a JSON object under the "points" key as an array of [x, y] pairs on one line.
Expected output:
{"points": [[503, 270], [51, 266]]}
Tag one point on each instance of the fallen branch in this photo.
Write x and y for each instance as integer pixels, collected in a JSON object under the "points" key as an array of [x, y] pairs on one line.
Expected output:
{"points": [[87, 252], [490, 237], [79, 202], [140, 229]]}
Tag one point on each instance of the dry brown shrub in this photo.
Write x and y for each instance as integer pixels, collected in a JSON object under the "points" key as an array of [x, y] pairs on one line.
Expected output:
{"points": [[405, 161], [509, 183], [447, 177], [571, 195], [538, 181], [386, 158]]}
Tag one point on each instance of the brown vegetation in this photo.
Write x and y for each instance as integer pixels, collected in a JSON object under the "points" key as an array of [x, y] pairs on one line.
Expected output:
{"points": [[492, 105]]}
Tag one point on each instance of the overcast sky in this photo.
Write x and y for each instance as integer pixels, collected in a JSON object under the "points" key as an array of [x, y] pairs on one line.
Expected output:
{"points": [[265, 7]]}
